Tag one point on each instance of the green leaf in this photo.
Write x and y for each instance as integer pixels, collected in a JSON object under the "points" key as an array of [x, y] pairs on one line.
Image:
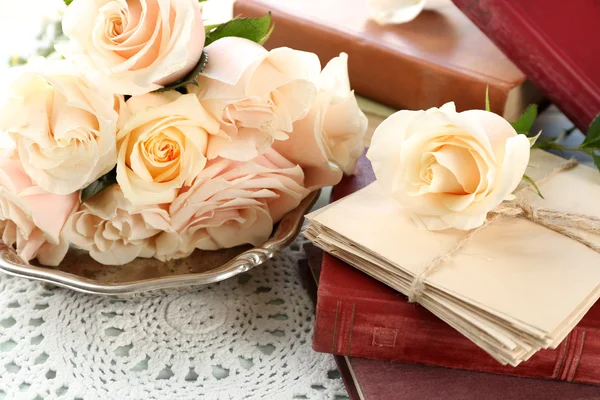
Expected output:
{"points": [[596, 158], [592, 138], [487, 99], [16, 61], [98, 186], [533, 139], [528, 179], [68, 2], [256, 29], [208, 28], [526, 120], [189, 79]]}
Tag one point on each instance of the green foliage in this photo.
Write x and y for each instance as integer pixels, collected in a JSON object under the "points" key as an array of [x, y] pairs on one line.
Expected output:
{"points": [[104, 182], [528, 179], [16, 61], [50, 34], [592, 139], [591, 144], [533, 139], [525, 122], [487, 99], [256, 29], [596, 158]]}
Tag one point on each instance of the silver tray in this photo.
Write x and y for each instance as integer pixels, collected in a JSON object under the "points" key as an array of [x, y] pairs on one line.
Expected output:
{"points": [[81, 273]]}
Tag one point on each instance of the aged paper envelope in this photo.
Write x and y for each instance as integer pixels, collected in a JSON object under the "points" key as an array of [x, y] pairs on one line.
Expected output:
{"points": [[524, 277]]}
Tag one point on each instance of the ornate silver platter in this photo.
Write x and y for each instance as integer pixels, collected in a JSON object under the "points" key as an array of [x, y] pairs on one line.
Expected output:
{"points": [[81, 273]]}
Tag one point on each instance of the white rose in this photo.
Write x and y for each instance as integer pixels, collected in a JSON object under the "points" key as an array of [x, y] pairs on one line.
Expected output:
{"points": [[233, 203], [162, 146], [255, 95], [64, 128], [449, 169], [330, 139], [115, 232], [134, 46]]}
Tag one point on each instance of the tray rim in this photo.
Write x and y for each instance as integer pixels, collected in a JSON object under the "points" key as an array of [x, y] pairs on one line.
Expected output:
{"points": [[284, 234]]}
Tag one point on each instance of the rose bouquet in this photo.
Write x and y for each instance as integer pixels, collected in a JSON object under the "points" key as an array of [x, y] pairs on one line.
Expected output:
{"points": [[156, 135]]}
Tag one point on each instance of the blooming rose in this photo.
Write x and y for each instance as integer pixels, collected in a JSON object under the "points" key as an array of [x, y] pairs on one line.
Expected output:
{"points": [[233, 203], [450, 169], [162, 146], [64, 128], [115, 232], [31, 219], [256, 95], [135, 46], [330, 139]]}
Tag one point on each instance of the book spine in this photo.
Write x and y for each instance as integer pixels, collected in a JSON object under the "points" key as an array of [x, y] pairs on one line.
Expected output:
{"points": [[345, 369], [384, 331], [517, 37], [373, 67]]}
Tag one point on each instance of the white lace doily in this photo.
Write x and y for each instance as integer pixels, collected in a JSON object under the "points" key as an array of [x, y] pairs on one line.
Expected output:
{"points": [[245, 338]]}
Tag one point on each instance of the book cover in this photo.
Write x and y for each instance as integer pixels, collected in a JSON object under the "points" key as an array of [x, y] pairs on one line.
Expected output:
{"points": [[418, 65], [554, 42], [383, 380], [359, 316]]}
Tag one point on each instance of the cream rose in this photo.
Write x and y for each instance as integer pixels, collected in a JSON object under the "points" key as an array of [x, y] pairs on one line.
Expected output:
{"points": [[115, 232], [255, 95], [135, 47], [162, 146], [63, 127], [330, 139], [450, 169], [31, 219], [233, 203]]}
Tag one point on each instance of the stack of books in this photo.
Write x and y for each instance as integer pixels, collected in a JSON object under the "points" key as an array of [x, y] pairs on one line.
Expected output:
{"points": [[452, 53], [371, 379], [514, 288], [358, 316]]}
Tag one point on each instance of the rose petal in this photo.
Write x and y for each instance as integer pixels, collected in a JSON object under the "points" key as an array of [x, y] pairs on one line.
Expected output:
{"points": [[461, 164], [229, 58], [386, 143]]}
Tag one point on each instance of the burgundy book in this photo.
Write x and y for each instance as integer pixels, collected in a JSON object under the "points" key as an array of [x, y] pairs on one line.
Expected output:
{"points": [[383, 380], [359, 316], [555, 42]]}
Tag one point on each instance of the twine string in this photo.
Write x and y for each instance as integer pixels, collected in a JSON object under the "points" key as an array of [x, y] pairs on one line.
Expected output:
{"points": [[567, 224]]}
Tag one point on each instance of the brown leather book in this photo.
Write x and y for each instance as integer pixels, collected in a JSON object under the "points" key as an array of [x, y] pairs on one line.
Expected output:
{"points": [[441, 56]]}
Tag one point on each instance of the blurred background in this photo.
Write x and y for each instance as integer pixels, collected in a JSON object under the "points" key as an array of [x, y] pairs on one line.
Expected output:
{"points": [[22, 21]]}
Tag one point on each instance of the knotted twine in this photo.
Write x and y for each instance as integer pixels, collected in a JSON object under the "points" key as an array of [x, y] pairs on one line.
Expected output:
{"points": [[563, 223]]}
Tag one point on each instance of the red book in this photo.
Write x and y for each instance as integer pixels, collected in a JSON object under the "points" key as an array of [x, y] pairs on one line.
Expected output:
{"points": [[382, 380], [359, 316], [555, 42]]}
